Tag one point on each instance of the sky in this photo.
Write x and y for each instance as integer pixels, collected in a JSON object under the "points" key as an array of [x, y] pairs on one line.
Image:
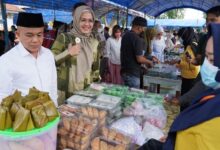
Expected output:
{"points": [[193, 14]]}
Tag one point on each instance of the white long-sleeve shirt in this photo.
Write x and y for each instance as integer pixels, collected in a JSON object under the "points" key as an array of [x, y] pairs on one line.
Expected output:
{"points": [[113, 50], [19, 70]]}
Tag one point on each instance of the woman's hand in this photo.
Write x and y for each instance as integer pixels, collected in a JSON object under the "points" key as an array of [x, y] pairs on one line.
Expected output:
{"points": [[74, 49]]}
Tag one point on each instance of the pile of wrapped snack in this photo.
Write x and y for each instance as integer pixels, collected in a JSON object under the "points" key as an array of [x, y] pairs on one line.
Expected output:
{"points": [[25, 115], [112, 117]]}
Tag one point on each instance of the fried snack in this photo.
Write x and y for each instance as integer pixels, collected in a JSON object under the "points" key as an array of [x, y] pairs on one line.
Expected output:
{"points": [[62, 131], [102, 114], [70, 144], [112, 134], [95, 144], [120, 147], [90, 112], [105, 132], [119, 138], [84, 111], [66, 123], [103, 145], [95, 112]]}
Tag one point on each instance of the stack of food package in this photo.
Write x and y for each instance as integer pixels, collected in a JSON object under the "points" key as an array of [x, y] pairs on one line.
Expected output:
{"points": [[23, 114], [75, 130], [108, 103], [111, 104], [110, 139]]}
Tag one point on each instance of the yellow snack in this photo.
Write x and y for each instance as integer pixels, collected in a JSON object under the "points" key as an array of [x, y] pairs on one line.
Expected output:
{"points": [[39, 116]]}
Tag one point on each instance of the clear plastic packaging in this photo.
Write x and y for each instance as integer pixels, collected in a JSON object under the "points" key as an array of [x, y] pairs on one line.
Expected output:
{"points": [[75, 131], [101, 143], [79, 100], [131, 128]]}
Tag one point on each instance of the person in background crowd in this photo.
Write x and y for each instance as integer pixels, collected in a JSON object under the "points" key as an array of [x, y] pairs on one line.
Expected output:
{"points": [[28, 64], [197, 127], [2, 43], [74, 54], [101, 62], [132, 53], [106, 32], [50, 35], [12, 36], [189, 72], [67, 27], [159, 44], [113, 46], [213, 16]]}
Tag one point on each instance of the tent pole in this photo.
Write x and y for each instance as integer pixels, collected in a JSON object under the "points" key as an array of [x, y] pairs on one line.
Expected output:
{"points": [[127, 17], [93, 4], [118, 13], [4, 20]]}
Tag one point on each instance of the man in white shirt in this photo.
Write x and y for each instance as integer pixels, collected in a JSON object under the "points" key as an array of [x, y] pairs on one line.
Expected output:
{"points": [[28, 64]]}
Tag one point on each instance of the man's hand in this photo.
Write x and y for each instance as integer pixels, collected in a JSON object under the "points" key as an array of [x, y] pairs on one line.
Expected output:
{"points": [[74, 49], [155, 60]]}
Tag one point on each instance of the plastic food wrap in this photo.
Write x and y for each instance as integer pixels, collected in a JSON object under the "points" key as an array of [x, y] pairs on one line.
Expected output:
{"points": [[128, 126], [92, 112], [79, 100], [100, 143], [150, 131], [75, 131]]}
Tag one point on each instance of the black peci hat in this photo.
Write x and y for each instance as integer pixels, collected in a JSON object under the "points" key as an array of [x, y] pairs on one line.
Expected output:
{"points": [[139, 21], [30, 20]]}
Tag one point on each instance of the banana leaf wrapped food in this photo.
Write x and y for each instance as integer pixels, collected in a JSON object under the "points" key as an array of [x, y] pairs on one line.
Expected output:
{"points": [[30, 104], [17, 96], [50, 110], [14, 109], [39, 116], [5, 118], [22, 119], [8, 101]]}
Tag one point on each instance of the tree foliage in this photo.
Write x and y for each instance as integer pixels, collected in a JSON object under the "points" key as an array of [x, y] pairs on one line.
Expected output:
{"points": [[173, 14]]}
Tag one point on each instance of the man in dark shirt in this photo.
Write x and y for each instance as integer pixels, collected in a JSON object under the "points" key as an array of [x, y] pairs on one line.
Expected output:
{"points": [[132, 53]]}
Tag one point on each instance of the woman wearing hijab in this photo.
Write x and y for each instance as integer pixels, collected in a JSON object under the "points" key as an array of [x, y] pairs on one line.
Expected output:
{"points": [[159, 44], [189, 72], [74, 53], [197, 127]]}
